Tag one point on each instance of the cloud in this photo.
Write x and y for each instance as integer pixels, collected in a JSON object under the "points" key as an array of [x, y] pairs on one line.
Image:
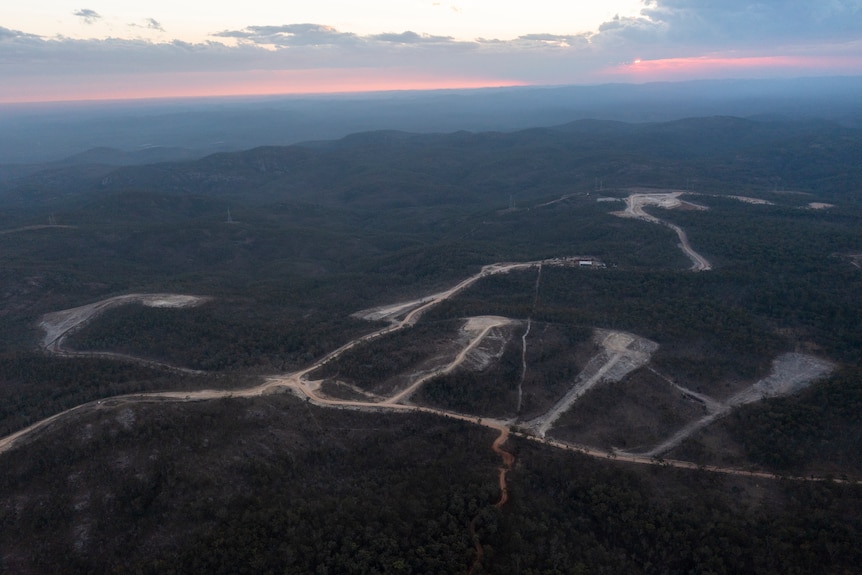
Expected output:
{"points": [[153, 24], [561, 41], [87, 15], [291, 35], [670, 38], [148, 24], [26, 55], [410, 38], [326, 39], [17, 49], [735, 24], [452, 7], [289, 52], [14, 35]]}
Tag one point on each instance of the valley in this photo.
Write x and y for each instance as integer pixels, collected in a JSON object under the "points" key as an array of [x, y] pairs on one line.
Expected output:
{"points": [[299, 358]]}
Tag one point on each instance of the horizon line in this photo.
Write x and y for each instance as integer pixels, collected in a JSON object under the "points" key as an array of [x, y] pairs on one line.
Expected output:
{"points": [[399, 91]]}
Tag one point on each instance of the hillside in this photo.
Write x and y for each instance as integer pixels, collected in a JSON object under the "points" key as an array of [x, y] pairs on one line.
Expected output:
{"points": [[298, 358]]}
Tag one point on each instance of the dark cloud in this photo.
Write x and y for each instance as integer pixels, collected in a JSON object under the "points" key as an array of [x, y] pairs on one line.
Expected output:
{"points": [[87, 15], [733, 24]]}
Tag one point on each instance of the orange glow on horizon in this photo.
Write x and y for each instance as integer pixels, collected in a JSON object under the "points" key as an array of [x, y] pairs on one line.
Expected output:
{"points": [[245, 83]]}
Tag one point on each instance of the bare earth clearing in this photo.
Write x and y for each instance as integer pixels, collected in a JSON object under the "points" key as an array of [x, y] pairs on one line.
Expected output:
{"points": [[620, 354], [479, 328], [668, 200], [58, 325], [790, 373]]}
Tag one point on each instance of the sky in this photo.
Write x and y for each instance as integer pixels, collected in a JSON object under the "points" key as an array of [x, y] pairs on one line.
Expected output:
{"points": [[54, 50]]}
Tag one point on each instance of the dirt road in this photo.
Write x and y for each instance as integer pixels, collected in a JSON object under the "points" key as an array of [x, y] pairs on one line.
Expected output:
{"points": [[635, 209], [59, 324], [790, 373], [646, 460], [508, 462], [480, 326], [623, 352], [415, 308], [36, 227], [126, 357], [524, 341]]}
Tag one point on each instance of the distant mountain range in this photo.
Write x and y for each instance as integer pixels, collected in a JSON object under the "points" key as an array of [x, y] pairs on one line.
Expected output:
{"points": [[41, 133], [385, 168]]}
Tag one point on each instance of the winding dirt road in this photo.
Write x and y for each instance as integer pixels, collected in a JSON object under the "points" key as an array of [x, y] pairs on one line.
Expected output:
{"points": [[635, 209], [508, 462], [626, 348], [59, 325]]}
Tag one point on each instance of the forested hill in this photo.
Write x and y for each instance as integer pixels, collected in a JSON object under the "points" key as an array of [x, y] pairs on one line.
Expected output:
{"points": [[724, 261], [390, 169]]}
